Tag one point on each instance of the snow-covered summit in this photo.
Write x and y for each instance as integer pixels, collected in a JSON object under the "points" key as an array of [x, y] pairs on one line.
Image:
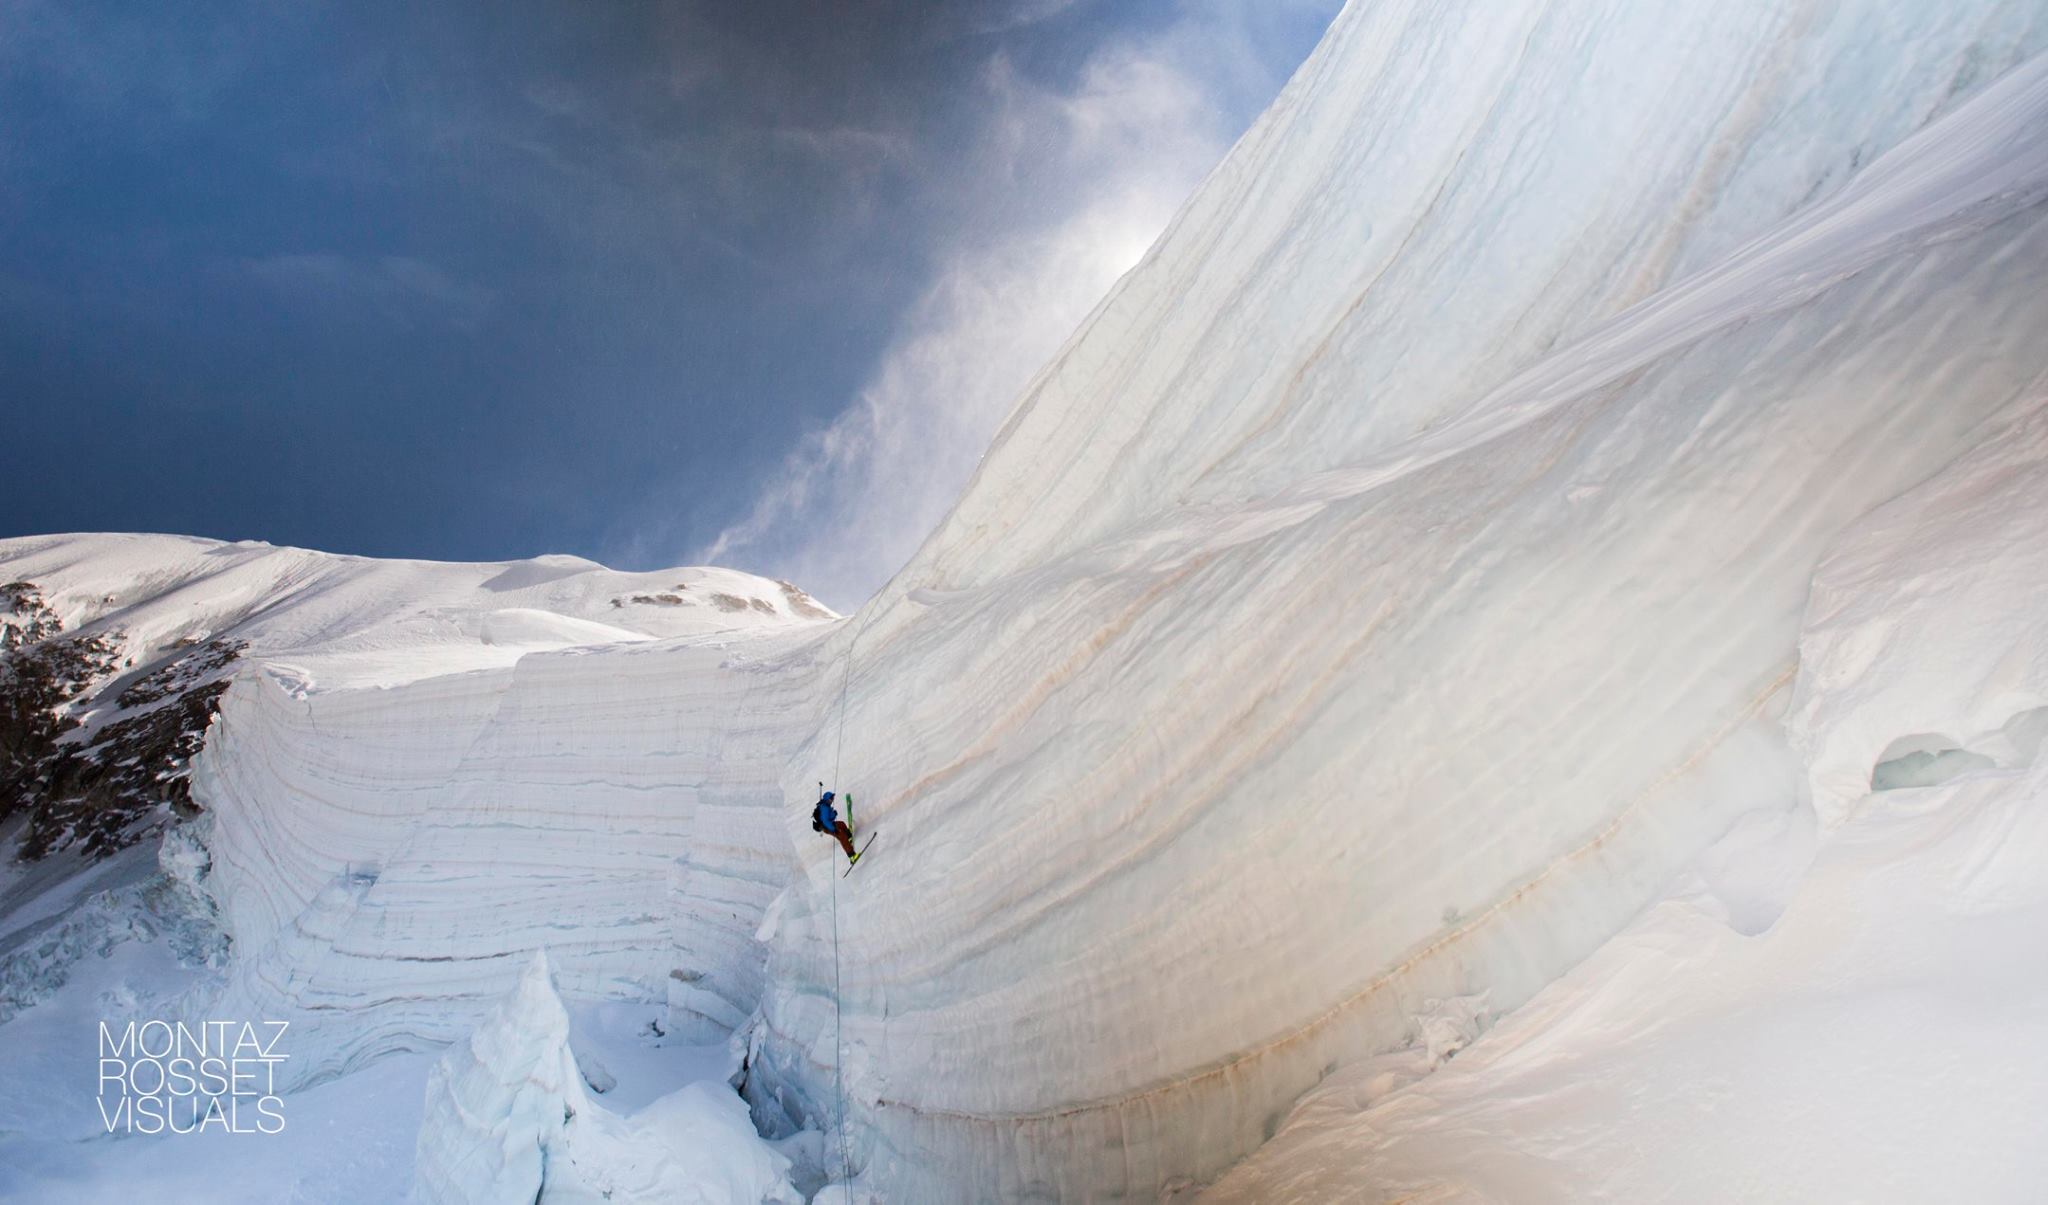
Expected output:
{"points": [[119, 647], [348, 621]]}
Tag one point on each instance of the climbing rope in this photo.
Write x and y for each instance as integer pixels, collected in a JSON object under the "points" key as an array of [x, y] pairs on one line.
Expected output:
{"points": [[845, 684], [839, 1046], [838, 1011]]}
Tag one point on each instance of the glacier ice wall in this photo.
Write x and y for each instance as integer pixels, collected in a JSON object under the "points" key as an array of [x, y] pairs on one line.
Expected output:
{"points": [[1924, 636], [1439, 198], [423, 772], [388, 860], [1395, 581], [1700, 1054], [1400, 577], [507, 1119]]}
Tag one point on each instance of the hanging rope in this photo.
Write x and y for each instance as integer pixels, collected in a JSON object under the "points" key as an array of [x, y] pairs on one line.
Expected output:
{"points": [[839, 1046], [838, 1011], [839, 753]]}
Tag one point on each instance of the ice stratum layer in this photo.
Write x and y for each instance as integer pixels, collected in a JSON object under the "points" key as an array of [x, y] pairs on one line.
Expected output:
{"points": [[1395, 583]]}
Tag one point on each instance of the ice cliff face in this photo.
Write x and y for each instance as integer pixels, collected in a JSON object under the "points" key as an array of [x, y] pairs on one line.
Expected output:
{"points": [[1392, 586], [331, 797], [620, 808], [1925, 654], [1762, 1028], [500, 1104], [507, 1119], [1400, 577]]}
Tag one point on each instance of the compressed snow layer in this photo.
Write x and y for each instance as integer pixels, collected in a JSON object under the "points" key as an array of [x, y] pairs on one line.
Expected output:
{"points": [[1952, 572], [508, 1118], [1395, 584], [419, 776], [1880, 1043], [1231, 718], [1441, 198], [387, 861], [1883, 1038]]}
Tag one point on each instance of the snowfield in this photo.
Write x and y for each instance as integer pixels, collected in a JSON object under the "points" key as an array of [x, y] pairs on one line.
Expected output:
{"points": [[1852, 1014], [1504, 662]]}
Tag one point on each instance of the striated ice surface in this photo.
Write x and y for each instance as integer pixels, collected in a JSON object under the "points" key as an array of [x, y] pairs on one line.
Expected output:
{"points": [[342, 796], [1925, 651], [1405, 576], [387, 860], [1868, 1034], [1388, 592], [507, 1119], [499, 1104]]}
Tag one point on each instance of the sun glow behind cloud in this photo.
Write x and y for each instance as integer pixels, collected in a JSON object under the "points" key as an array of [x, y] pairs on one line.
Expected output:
{"points": [[642, 283], [1103, 165]]}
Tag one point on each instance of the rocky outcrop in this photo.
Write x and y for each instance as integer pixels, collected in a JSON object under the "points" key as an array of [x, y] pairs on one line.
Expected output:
{"points": [[93, 752]]}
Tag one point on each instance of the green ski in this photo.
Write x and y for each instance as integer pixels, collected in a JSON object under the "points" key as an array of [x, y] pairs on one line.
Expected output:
{"points": [[855, 860]]}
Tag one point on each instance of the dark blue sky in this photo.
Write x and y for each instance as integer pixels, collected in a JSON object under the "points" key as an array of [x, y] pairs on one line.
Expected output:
{"points": [[641, 282]]}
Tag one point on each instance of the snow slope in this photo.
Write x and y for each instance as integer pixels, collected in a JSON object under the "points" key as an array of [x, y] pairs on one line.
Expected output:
{"points": [[1395, 586], [327, 622], [363, 687], [1875, 1033], [1400, 578], [338, 811]]}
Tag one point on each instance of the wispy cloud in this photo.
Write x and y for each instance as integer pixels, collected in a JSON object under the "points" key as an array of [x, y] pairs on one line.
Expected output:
{"points": [[396, 289], [973, 17], [853, 499], [1103, 163]]}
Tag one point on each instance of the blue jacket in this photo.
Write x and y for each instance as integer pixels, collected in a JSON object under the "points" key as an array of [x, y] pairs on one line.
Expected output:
{"points": [[824, 815]]}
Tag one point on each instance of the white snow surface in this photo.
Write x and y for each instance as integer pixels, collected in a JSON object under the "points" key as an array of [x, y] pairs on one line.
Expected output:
{"points": [[508, 1119], [1874, 1033], [325, 622], [1401, 578], [353, 1139], [340, 778], [1472, 524], [1924, 636]]}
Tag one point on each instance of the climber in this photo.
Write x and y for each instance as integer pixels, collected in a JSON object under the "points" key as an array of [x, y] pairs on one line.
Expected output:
{"points": [[825, 820]]}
